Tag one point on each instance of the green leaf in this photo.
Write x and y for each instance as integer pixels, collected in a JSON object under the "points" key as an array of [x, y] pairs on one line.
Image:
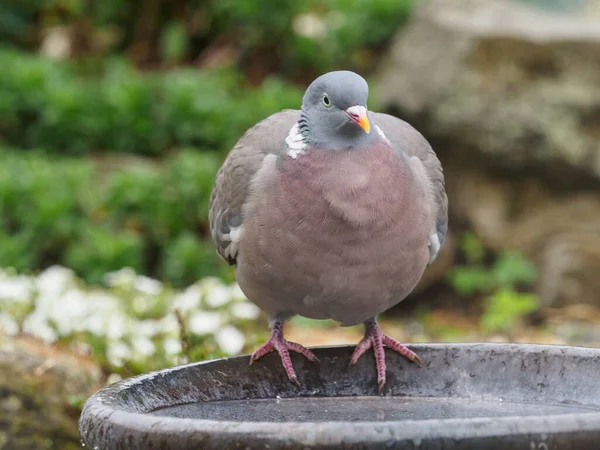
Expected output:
{"points": [[511, 268], [174, 42], [504, 307], [472, 247], [470, 280]]}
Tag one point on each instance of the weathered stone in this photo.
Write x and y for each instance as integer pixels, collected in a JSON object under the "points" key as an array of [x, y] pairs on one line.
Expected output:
{"points": [[41, 390], [561, 234], [517, 84], [509, 96]]}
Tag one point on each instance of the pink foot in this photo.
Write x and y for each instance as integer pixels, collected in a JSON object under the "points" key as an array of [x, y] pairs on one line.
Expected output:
{"points": [[375, 338], [278, 343]]}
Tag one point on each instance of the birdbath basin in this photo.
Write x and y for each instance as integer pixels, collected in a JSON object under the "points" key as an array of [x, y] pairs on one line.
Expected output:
{"points": [[466, 396]]}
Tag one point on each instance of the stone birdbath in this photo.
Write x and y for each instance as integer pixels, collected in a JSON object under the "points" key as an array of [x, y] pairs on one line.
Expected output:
{"points": [[466, 396]]}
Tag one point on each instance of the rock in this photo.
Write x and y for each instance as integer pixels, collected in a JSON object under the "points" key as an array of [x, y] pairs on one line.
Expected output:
{"points": [[41, 391], [561, 234], [518, 85], [508, 92]]}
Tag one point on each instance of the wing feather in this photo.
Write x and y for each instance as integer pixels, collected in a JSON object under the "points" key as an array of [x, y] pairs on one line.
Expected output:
{"points": [[233, 179]]}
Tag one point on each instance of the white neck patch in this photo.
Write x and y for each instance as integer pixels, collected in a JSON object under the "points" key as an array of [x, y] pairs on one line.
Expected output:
{"points": [[381, 133], [295, 142]]}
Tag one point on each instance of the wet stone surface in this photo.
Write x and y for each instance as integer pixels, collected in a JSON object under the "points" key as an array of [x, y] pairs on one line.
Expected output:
{"points": [[359, 409]]}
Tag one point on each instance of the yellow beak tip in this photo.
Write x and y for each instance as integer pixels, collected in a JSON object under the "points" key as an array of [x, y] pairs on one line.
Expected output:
{"points": [[365, 124]]}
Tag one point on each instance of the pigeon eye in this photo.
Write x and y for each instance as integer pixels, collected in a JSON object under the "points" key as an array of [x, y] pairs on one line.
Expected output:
{"points": [[326, 101]]}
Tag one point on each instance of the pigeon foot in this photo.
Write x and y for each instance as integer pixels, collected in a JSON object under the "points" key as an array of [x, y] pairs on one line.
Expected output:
{"points": [[376, 338], [278, 343]]}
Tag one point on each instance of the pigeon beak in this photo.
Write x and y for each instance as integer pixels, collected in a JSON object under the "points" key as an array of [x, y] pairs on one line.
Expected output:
{"points": [[358, 114]]}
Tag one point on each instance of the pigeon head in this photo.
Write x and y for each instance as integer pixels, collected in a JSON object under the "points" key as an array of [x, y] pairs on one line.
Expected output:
{"points": [[334, 111]]}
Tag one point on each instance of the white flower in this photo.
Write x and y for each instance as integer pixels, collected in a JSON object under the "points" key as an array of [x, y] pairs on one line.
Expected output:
{"points": [[123, 277], [141, 303], [245, 310], [43, 303], [113, 378], [147, 328], [37, 325], [230, 340], [214, 292], [67, 310], [8, 324], [17, 288], [117, 353], [236, 292], [96, 324], [188, 299], [143, 346], [56, 43], [168, 325], [172, 346], [204, 322], [54, 280], [147, 285], [217, 295], [310, 26], [116, 326], [98, 299]]}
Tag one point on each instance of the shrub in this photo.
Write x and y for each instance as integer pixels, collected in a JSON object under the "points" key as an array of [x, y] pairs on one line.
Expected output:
{"points": [[97, 250], [349, 29], [46, 105], [146, 215], [502, 285]]}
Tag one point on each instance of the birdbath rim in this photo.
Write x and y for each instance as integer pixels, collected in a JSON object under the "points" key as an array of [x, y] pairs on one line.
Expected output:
{"points": [[529, 373]]}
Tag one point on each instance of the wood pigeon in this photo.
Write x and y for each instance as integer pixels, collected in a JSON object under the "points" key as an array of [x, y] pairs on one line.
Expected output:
{"points": [[330, 212]]}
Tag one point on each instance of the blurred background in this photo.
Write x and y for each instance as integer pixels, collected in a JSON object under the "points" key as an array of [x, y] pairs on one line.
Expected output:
{"points": [[115, 116]]}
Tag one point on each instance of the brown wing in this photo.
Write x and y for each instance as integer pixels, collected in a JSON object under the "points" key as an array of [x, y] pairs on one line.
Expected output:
{"points": [[233, 178]]}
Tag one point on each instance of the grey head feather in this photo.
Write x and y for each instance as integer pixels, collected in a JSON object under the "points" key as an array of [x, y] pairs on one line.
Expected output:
{"points": [[324, 122]]}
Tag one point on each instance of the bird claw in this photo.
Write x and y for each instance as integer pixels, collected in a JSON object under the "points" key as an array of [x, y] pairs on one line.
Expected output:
{"points": [[376, 339], [418, 361], [294, 380], [278, 343], [380, 385]]}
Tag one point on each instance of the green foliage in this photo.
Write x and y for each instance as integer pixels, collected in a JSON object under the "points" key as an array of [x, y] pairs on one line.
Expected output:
{"points": [[511, 268], [150, 214], [472, 248], [504, 305], [262, 22], [147, 216], [44, 104], [498, 282], [97, 250], [76, 401], [186, 258], [508, 270], [37, 207], [17, 19], [359, 24], [173, 43], [350, 28]]}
